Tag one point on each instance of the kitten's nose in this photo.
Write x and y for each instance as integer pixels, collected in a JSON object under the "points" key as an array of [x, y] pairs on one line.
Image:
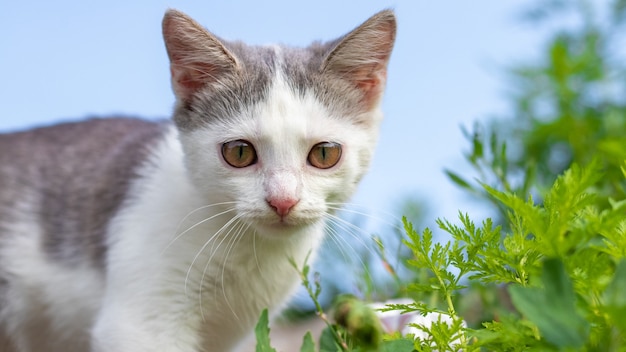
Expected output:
{"points": [[282, 206]]}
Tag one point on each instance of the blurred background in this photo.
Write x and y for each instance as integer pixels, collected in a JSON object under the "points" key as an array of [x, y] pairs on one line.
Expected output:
{"points": [[475, 90]]}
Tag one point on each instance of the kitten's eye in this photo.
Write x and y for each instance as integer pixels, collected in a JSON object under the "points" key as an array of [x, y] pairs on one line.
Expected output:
{"points": [[239, 153], [325, 155]]}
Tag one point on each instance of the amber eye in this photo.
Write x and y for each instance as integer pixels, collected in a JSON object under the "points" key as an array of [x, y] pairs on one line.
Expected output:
{"points": [[325, 155], [239, 153]]}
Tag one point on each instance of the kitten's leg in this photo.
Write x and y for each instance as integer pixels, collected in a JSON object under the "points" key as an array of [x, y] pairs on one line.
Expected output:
{"points": [[6, 344], [142, 327], [25, 326]]}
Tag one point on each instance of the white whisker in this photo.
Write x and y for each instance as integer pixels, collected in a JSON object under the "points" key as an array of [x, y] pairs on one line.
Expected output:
{"points": [[196, 224], [180, 223], [206, 243], [340, 207], [213, 252], [356, 232], [256, 258], [334, 233], [231, 245]]}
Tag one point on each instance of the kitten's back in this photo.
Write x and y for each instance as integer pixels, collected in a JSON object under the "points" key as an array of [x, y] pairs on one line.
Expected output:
{"points": [[71, 178]]}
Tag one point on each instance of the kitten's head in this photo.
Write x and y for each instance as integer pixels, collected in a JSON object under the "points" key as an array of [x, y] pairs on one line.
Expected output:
{"points": [[284, 133]]}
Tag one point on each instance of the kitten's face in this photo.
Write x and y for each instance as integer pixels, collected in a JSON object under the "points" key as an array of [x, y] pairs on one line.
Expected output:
{"points": [[285, 161], [281, 135]]}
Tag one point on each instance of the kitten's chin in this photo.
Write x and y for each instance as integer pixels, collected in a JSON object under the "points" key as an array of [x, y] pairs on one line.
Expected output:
{"points": [[285, 230]]}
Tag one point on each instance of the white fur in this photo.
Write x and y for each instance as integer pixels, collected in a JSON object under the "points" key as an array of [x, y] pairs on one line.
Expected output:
{"points": [[178, 283]]}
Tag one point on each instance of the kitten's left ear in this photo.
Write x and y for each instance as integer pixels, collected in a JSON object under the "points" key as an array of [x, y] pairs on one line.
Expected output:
{"points": [[362, 55]]}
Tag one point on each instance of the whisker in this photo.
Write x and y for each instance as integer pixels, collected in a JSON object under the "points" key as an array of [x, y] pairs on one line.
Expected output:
{"points": [[231, 245], [196, 224], [213, 252], [359, 258], [340, 207], [201, 250], [397, 225], [334, 235], [363, 207], [356, 232], [256, 257], [180, 223]]}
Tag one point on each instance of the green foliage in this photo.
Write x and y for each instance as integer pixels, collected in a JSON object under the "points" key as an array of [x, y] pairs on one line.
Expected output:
{"points": [[359, 321], [552, 307], [615, 299], [560, 261], [437, 259], [399, 345], [568, 107], [262, 333], [308, 345]]}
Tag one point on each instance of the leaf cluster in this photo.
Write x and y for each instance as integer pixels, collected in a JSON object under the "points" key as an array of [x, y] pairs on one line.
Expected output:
{"points": [[562, 262], [567, 106]]}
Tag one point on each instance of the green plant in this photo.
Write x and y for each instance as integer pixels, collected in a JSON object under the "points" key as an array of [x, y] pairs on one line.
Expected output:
{"points": [[560, 260], [568, 106]]}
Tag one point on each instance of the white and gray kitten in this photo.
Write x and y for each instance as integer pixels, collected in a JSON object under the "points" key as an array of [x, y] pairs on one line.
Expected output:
{"points": [[121, 235]]}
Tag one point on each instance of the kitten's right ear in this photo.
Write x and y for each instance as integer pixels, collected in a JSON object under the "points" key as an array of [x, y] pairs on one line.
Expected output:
{"points": [[361, 56], [197, 58]]}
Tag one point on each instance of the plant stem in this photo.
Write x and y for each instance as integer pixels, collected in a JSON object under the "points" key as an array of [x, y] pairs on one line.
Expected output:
{"points": [[318, 307]]}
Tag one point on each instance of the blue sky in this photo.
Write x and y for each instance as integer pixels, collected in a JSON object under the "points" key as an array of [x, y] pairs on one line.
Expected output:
{"points": [[67, 60]]}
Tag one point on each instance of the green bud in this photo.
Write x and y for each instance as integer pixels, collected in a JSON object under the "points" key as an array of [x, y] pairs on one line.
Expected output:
{"points": [[359, 320]]}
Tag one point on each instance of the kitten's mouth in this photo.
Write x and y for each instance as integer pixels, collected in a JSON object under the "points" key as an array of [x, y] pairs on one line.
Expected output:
{"points": [[283, 226], [282, 223]]}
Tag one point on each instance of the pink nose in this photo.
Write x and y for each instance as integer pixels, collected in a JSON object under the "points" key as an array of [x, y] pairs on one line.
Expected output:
{"points": [[282, 206]]}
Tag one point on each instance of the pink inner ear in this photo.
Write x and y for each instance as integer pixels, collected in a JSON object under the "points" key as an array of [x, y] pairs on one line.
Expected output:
{"points": [[369, 80], [190, 78], [197, 57]]}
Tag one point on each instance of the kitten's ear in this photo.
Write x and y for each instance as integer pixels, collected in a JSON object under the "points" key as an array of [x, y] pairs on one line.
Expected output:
{"points": [[362, 55], [197, 57]]}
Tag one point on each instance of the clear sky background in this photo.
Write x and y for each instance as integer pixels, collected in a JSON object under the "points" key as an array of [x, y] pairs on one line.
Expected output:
{"points": [[66, 60]]}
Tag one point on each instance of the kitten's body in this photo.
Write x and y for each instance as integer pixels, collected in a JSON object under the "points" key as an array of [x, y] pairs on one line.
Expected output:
{"points": [[126, 235]]}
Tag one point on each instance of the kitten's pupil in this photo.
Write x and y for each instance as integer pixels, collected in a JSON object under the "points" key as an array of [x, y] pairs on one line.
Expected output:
{"points": [[239, 153], [325, 155]]}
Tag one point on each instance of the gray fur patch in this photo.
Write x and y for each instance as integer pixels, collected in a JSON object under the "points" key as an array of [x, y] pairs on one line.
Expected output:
{"points": [[301, 67], [347, 74], [71, 179], [249, 87]]}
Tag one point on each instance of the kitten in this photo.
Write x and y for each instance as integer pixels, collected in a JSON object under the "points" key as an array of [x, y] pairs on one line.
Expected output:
{"points": [[126, 235]]}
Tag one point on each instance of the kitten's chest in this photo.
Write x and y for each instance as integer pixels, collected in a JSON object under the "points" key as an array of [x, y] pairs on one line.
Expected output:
{"points": [[248, 272], [233, 295]]}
